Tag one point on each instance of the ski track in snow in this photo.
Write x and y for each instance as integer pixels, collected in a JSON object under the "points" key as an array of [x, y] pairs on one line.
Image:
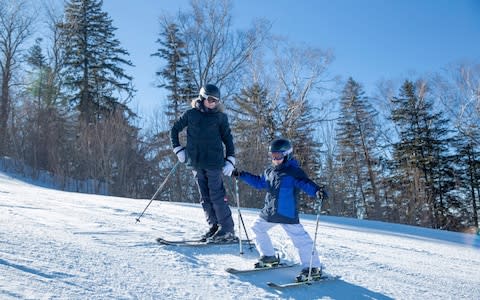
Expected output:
{"points": [[60, 245]]}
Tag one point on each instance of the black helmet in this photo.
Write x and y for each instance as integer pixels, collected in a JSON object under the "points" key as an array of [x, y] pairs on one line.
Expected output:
{"points": [[209, 90], [282, 146]]}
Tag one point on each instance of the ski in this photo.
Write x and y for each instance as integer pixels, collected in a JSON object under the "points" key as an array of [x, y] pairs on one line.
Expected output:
{"points": [[195, 243], [243, 271], [322, 279], [182, 241]]}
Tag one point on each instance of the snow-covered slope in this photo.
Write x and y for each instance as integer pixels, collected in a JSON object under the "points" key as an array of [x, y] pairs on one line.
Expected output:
{"points": [[59, 245]]}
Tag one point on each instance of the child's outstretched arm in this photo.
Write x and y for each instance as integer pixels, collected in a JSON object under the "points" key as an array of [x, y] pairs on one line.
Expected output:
{"points": [[307, 185], [255, 181]]}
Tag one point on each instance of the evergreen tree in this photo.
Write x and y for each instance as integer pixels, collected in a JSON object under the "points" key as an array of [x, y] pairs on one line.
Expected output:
{"points": [[175, 75], [356, 135], [94, 61], [421, 161], [106, 143], [468, 172], [176, 78], [42, 114], [38, 62], [260, 119], [254, 128], [297, 123], [44, 79]]}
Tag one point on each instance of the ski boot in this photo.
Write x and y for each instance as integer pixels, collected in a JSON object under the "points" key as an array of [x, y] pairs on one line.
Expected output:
{"points": [[211, 232], [315, 274], [220, 237], [266, 261]]}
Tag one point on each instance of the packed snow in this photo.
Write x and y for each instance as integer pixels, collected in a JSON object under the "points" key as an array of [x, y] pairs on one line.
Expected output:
{"points": [[63, 245]]}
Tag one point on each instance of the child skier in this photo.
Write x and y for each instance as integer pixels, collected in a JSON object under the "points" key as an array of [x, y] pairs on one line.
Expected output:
{"points": [[282, 181]]}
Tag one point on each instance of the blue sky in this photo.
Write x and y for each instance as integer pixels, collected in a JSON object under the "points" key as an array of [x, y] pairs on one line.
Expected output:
{"points": [[371, 39]]}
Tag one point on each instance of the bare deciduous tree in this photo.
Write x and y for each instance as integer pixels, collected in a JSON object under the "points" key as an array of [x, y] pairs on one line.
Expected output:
{"points": [[217, 52], [15, 29], [299, 75], [281, 104], [459, 92]]}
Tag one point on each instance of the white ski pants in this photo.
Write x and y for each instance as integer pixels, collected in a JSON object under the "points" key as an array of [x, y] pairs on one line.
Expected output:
{"points": [[300, 239]]}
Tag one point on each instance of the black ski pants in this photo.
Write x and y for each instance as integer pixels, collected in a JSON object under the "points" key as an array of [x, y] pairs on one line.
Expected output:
{"points": [[212, 198]]}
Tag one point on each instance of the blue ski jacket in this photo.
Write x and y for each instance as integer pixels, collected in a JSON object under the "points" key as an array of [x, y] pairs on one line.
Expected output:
{"points": [[282, 183]]}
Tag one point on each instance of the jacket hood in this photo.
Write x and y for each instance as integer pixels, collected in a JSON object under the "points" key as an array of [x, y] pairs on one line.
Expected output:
{"points": [[198, 104]]}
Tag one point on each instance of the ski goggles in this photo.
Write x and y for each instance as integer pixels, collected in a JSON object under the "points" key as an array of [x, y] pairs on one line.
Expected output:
{"points": [[277, 155], [212, 99]]}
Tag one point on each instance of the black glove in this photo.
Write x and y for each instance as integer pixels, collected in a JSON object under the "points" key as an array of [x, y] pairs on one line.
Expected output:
{"points": [[236, 172], [322, 193]]}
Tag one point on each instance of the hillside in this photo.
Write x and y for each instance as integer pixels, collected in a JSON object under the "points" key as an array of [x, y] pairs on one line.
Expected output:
{"points": [[61, 245]]}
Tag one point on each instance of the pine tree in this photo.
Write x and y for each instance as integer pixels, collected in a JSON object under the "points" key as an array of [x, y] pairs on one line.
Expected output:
{"points": [[106, 142], [468, 172], [255, 115], [42, 113], [38, 62], [356, 137], [93, 61], [175, 76], [421, 162], [297, 123], [254, 128]]}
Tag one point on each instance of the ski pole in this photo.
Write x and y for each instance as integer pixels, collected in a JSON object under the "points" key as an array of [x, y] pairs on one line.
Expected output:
{"points": [[239, 217], [240, 214], [158, 190], [315, 238], [250, 246]]}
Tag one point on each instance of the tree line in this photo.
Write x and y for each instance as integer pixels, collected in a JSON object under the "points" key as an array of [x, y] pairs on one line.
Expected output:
{"points": [[407, 154]]}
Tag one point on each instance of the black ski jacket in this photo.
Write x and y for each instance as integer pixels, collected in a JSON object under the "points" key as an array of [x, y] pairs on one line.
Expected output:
{"points": [[207, 133]]}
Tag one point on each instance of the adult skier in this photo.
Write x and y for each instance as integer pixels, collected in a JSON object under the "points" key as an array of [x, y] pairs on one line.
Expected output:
{"points": [[208, 131]]}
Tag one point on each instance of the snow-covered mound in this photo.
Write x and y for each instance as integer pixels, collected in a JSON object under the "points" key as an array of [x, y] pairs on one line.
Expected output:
{"points": [[60, 245]]}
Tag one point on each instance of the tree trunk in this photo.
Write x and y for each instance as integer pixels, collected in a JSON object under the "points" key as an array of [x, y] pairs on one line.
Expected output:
{"points": [[4, 108]]}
